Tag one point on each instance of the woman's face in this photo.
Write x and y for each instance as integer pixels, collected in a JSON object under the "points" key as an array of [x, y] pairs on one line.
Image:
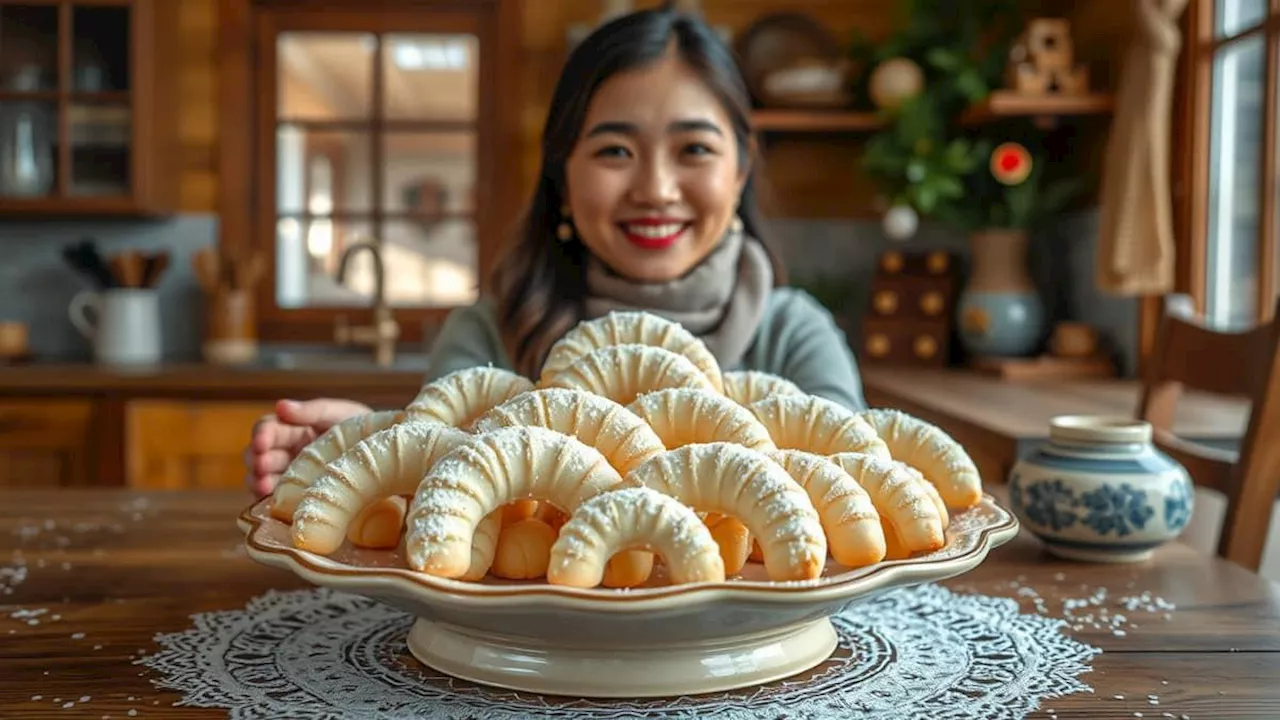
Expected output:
{"points": [[654, 180]]}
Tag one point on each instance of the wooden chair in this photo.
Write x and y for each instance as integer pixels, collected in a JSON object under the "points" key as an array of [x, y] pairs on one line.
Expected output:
{"points": [[1242, 364]]}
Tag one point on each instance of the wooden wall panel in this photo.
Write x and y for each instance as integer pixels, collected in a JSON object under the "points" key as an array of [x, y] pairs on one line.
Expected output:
{"points": [[837, 189], [197, 89]]}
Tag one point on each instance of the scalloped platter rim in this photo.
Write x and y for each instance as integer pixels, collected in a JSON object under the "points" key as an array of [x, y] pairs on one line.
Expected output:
{"points": [[971, 535]]}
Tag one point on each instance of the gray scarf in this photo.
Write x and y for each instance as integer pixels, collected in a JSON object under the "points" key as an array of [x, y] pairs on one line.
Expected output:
{"points": [[721, 300]]}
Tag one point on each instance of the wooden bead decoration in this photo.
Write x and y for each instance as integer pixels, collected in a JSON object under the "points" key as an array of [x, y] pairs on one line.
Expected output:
{"points": [[886, 302], [925, 347], [878, 345], [932, 303]]}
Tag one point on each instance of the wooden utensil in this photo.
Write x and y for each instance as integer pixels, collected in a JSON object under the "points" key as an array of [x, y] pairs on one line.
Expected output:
{"points": [[208, 269], [128, 268], [156, 264]]}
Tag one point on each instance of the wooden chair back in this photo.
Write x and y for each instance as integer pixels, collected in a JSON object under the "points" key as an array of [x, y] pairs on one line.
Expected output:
{"points": [[1242, 364]]}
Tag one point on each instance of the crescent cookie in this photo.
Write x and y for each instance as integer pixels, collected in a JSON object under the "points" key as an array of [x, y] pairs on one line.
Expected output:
{"points": [[848, 515], [624, 439], [389, 462], [928, 489], [460, 397], [817, 425], [487, 472], [379, 524], [310, 463], [624, 372], [732, 537], [750, 386], [524, 549], [629, 518], [630, 327], [684, 416], [731, 480], [484, 546], [933, 452], [902, 503]]}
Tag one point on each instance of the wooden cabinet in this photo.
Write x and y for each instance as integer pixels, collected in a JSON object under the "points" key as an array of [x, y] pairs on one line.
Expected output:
{"points": [[46, 442], [174, 444], [87, 113]]}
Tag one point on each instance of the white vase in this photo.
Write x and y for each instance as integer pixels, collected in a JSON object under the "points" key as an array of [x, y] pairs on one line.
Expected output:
{"points": [[1099, 491]]}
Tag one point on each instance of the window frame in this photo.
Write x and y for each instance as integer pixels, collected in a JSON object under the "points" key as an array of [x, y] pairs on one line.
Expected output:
{"points": [[1192, 145], [245, 225]]}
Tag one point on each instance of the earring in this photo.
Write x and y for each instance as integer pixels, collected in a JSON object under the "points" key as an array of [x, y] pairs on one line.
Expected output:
{"points": [[736, 225], [564, 231]]}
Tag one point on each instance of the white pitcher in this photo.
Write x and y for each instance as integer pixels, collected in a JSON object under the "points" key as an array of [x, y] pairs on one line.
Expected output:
{"points": [[123, 324]]}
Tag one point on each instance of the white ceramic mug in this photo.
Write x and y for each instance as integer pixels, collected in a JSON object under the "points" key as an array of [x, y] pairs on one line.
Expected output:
{"points": [[122, 324]]}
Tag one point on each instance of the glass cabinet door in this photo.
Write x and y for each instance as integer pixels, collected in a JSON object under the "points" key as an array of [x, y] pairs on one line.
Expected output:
{"points": [[66, 111], [29, 103], [99, 121]]}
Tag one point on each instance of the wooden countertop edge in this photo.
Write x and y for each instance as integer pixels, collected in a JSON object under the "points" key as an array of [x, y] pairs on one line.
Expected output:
{"points": [[1006, 409], [196, 378]]}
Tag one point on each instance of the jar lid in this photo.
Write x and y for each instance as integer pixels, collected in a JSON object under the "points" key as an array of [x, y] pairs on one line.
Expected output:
{"points": [[1099, 429]]}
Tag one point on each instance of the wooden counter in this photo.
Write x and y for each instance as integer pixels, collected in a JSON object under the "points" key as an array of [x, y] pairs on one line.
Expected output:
{"points": [[998, 420], [197, 380], [171, 426]]}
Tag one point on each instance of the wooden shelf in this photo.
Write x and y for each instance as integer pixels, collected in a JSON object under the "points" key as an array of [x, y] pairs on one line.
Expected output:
{"points": [[1001, 104], [774, 120], [1004, 104]]}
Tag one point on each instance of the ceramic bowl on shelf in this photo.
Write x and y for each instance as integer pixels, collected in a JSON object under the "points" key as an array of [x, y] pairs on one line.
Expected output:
{"points": [[1099, 491], [652, 641]]}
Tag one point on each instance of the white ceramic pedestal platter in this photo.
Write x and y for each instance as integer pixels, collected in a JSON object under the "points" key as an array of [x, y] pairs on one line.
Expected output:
{"points": [[657, 640]]}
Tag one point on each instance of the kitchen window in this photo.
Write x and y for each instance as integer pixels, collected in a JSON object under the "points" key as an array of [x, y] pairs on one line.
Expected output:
{"points": [[371, 122], [1230, 140]]}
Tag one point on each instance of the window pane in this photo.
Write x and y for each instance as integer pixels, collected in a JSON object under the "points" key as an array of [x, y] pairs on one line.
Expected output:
{"points": [[100, 54], [28, 148], [28, 47], [101, 148], [431, 264], [1234, 16], [1235, 173], [430, 77], [307, 257], [429, 173], [323, 171], [324, 76]]}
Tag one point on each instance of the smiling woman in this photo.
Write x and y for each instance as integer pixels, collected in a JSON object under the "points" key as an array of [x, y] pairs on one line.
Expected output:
{"points": [[645, 202]]}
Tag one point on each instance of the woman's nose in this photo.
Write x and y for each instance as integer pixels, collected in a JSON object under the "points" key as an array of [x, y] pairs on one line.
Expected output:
{"points": [[655, 184]]}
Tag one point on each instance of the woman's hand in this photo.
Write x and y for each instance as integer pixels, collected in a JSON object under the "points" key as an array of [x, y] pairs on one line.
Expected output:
{"points": [[276, 439]]}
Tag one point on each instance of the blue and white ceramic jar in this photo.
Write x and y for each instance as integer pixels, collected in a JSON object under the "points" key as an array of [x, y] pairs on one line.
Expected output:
{"points": [[1099, 491]]}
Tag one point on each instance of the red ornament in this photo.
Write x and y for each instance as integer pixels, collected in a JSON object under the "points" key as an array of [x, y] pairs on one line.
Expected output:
{"points": [[1010, 163]]}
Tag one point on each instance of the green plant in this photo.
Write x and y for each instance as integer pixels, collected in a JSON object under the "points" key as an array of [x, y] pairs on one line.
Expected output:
{"points": [[1019, 206], [923, 158]]}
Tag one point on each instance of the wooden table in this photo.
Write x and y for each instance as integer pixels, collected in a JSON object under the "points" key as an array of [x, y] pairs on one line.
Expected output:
{"points": [[999, 420], [120, 566]]}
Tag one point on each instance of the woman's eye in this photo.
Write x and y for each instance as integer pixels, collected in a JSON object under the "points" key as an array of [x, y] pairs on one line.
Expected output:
{"points": [[613, 151], [698, 149]]}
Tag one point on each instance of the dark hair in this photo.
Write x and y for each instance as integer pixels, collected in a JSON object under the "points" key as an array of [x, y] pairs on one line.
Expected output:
{"points": [[539, 283]]}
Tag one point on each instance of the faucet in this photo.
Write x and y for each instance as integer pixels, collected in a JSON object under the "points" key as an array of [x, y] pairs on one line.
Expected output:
{"points": [[384, 331]]}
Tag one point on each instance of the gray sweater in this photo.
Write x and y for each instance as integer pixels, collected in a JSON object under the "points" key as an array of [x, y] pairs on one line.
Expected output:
{"points": [[797, 339]]}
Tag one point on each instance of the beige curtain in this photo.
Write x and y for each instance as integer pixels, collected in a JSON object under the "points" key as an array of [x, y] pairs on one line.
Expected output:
{"points": [[1135, 245]]}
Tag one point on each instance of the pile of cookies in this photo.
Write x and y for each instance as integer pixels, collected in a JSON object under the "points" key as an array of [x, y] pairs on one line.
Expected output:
{"points": [[632, 446]]}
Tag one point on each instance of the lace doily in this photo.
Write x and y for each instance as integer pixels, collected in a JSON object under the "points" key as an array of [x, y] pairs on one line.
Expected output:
{"points": [[921, 651]]}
